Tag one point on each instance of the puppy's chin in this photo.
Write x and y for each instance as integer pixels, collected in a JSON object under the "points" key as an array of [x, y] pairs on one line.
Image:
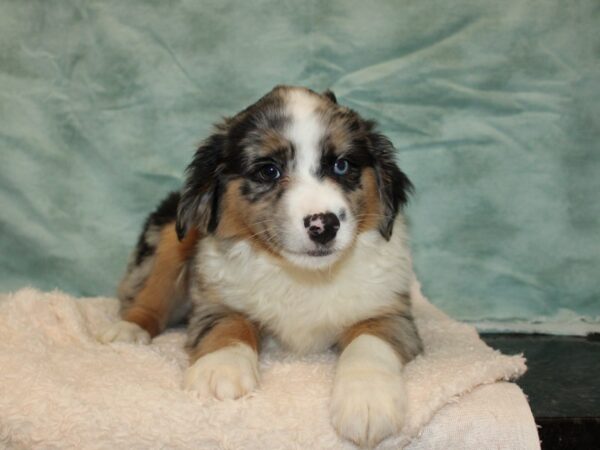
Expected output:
{"points": [[313, 259]]}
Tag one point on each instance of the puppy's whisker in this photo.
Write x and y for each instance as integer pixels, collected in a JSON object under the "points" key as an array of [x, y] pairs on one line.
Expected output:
{"points": [[270, 241], [272, 236], [260, 222], [359, 216], [258, 233]]}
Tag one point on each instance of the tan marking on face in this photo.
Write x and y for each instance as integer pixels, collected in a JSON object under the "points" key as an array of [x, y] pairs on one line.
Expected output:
{"points": [[229, 331], [271, 141], [231, 220], [151, 307], [337, 137], [370, 208], [241, 219]]}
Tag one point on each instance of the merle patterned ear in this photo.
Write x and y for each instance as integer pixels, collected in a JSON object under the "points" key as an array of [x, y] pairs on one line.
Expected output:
{"points": [[393, 184], [330, 95], [199, 203]]}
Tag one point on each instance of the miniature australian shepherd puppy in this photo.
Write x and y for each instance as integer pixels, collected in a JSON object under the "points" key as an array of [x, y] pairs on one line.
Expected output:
{"points": [[288, 225]]}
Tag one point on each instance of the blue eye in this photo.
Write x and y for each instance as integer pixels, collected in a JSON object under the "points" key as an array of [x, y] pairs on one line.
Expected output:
{"points": [[269, 172], [341, 167]]}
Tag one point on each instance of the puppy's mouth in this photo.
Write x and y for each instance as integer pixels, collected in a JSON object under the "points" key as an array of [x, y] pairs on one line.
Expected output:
{"points": [[313, 258], [320, 252]]}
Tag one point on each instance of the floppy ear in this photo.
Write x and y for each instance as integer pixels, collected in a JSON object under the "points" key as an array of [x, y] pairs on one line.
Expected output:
{"points": [[330, 95], [393, 184], [199, 202]]}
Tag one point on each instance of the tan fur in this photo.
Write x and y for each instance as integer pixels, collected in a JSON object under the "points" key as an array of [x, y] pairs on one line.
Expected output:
{"points": [[237, 216], [228, 331], [375, 327], [370, 210], [391, 327], [271, 141], [231, 223], [152, 305], [337, 136]]}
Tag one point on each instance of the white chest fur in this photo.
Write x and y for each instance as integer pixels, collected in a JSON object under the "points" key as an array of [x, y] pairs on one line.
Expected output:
{"points": [[307, 310]]}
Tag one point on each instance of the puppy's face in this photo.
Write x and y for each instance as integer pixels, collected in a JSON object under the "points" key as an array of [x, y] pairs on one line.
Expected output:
{"points": [[297, 175]]}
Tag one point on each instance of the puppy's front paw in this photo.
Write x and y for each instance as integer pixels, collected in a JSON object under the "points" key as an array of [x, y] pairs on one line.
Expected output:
{"points": [[124, 331], [230, 372], [367, 405]]}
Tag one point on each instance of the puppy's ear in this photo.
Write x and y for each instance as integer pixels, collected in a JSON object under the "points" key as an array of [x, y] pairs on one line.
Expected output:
{"points": [[330, 95], [199, 203], [393, 184]]}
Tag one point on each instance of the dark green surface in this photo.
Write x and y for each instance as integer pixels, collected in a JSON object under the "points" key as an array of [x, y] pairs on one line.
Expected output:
{"points": [[563, 376], [494, 105]]}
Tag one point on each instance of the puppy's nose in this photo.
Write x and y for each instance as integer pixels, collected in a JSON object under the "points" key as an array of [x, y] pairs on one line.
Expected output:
{"points": [[322, 227]]}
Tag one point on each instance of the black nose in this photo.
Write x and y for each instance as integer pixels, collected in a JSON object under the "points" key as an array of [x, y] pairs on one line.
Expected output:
{"points": [[322, 227]]}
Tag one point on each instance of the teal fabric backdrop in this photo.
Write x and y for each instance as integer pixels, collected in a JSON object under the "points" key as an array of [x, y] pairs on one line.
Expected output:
{"points": [[494, 106]]}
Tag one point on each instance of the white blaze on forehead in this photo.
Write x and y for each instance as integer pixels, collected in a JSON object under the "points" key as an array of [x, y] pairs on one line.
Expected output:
{"points": [[304, 130], [310, 193]]}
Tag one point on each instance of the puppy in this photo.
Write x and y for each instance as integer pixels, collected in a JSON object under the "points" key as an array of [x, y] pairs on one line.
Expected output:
{"points": [[288, 225]]}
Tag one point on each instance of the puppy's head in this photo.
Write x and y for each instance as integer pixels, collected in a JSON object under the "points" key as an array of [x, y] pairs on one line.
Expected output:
{"points": [[297, 175]]}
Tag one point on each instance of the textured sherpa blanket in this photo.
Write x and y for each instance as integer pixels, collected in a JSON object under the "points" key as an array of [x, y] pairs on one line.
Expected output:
{"points": [[60, 388]]}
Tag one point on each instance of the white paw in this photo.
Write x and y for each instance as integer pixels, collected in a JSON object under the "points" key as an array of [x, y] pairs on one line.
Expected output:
{"points": [[124, 331], [227, 373], [367, 406], [368, 401]]}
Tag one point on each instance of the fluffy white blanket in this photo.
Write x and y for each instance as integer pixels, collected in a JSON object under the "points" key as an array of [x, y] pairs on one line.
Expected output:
{"points": [[60, 388]]}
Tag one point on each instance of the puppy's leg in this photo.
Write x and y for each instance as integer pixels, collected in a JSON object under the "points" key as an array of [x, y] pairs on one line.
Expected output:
{"points": [[223, 350], [368, 400], [149, 311]]}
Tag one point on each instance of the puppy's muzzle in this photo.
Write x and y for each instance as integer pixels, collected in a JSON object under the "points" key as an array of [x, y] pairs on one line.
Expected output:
{"points": [[322, 227]]}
